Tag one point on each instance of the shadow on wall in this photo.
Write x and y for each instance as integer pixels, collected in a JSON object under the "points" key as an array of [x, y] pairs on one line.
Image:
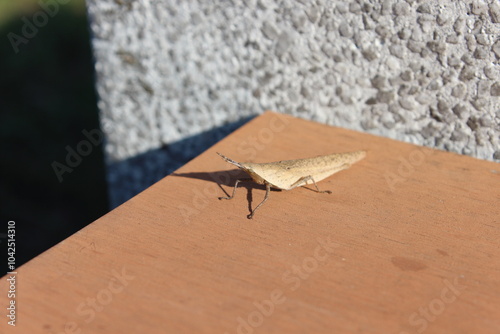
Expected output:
{"points": [[129, 177]]}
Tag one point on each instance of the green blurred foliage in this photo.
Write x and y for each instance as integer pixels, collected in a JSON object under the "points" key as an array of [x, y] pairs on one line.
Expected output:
{"points": [[13, 9]]}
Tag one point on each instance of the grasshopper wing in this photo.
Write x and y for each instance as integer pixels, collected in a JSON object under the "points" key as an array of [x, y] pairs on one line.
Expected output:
{"points": [[285, 174]]}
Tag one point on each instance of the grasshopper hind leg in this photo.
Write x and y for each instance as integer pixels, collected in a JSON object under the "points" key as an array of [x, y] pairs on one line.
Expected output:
{"points": [[303, 181]]}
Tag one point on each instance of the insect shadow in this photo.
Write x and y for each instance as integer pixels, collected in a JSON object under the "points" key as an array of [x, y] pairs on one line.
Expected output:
{"points": [[228, 178]]}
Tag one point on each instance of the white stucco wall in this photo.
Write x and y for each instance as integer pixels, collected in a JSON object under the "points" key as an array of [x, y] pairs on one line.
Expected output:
{"points": [[425, 72]]}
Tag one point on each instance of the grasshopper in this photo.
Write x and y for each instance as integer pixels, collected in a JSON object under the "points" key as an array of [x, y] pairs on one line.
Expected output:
{"points": [[290, 174]]}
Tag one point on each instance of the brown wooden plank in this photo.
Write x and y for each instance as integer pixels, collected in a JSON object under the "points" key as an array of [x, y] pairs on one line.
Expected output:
{"points": [[408, 242]]}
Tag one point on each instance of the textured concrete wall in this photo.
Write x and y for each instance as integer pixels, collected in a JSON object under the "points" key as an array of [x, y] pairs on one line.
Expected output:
{"points": [[425, 72]]}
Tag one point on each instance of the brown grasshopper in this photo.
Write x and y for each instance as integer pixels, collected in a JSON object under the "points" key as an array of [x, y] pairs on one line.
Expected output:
{"points": [[290, 174]]}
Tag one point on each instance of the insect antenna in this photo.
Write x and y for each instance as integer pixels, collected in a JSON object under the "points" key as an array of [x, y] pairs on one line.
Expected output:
{"points": [[230, 160]]}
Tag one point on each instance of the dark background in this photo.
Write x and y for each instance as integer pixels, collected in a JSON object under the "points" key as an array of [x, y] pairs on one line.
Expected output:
{"points": [[47, 99]]}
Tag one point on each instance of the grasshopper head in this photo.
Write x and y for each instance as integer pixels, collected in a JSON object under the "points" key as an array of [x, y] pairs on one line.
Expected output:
{"points": [[247, 167]]}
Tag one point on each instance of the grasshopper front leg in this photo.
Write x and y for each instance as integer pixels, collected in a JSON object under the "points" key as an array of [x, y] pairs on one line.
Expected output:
{"points": [[246, 179], [268, 189]]}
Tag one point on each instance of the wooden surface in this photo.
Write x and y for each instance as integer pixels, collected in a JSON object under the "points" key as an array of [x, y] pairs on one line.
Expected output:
{"points": [[408, 242]]}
